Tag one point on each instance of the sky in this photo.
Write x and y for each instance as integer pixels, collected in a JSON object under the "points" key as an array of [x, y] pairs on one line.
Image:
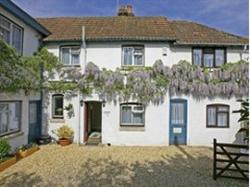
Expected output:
{"points": [[227, 15]]}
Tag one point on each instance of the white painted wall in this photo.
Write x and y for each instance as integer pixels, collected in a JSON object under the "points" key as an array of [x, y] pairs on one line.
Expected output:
{"points": [[30, 36], [156, 131]]}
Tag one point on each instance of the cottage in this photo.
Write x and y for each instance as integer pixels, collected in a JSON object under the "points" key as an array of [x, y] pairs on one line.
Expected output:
{"points": [[124, 41]]}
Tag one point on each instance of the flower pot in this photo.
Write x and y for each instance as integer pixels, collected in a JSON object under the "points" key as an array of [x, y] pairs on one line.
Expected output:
{"points": [[64, 141], [7, 163], [27, 152]]}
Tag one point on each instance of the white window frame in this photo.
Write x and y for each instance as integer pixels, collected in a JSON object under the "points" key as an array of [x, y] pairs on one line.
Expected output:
{"points": [[70, 55], [133, 110], [9, 113], [12, 25], [134, 54]]}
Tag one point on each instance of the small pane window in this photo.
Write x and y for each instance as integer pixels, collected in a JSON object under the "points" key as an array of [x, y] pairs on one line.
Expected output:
{"points": [[209, 57], [10, 117], [70, 55], [57, 106], [217, 115], [133, 56], [132, 115]]}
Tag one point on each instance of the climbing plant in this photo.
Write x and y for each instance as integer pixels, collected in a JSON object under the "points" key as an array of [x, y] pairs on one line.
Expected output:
{"points": [[151, 84], [25, 73]]}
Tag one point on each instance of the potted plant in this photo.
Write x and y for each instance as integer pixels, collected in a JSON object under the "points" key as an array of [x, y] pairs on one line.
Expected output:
{"points": [[6, 159], [65, 135], [26, 150]]}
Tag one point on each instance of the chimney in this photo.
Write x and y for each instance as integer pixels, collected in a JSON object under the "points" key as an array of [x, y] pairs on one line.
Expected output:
{"points": [[125, 10]]}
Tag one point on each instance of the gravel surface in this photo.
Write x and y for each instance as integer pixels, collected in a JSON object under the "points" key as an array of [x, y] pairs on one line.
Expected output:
{"points": [[91, 166]]}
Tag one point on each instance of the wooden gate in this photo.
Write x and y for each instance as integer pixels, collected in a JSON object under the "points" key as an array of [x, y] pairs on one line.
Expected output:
{"points": [[230, 159]]}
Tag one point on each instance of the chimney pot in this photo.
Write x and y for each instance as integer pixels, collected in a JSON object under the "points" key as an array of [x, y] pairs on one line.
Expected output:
{"points": [[125, 10]]}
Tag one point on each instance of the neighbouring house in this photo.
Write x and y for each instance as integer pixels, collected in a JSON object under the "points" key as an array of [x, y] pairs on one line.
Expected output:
{"points": [[19, 113], [127, 40]]}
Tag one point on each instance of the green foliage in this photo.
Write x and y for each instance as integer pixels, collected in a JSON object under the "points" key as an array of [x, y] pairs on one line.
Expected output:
{"points": [[4, 148], [244, 117], [64, 132], [25, 73]]}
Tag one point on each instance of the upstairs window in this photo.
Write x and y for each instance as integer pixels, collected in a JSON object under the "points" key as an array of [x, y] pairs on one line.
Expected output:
{"points": [[133, 56], [218, 115], [209, 57], [70, 56], [132, 114], [57, 106], [11, 33], [10, 117]]}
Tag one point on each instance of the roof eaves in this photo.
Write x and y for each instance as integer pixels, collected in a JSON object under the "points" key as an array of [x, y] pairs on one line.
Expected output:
{"points": [[25, 17], [210, 44]]}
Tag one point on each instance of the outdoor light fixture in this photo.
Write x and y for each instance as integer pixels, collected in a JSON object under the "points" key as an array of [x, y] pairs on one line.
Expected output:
{"points": [[81, 102], [103, 103]]}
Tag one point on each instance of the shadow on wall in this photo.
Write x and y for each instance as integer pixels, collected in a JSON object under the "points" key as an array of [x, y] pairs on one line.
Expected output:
{"points": [[181, 169]]}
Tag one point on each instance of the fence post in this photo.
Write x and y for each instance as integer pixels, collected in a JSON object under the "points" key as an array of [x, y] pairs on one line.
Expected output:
{"points": [[214, 161]]}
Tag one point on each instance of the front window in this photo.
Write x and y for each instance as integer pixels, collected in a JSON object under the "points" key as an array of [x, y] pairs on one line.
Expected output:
{"points": [[57, 106], [133, 56], [11, 34], [10, 117], [70, 56], [217, 115], [209, 57], [132, 114]]}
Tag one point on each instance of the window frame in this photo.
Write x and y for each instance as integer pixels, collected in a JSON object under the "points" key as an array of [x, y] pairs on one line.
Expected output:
{"points": [[52, 107], [70, 55], [134, 46], [11, 33], [216, 106], [132, 124], [213, 51], [20, 120]]}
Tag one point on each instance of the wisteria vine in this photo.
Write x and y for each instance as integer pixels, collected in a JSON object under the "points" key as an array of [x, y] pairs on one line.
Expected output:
{"points": [[151, 84]]}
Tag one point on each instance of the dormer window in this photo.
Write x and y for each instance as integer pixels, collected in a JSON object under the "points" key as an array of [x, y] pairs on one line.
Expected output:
{"points": [[133, 56], [11, 33], [70, 56], [209, 57]]}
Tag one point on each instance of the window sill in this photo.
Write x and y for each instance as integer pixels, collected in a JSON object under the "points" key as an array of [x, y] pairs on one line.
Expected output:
{"points": [[217, 127], [128, 128], [57, 120], [13, 135]]}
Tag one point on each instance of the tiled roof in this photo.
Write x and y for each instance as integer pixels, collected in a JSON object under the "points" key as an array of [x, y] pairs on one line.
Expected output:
{"points": [[108, 28], [136, 29], [188, 32]]}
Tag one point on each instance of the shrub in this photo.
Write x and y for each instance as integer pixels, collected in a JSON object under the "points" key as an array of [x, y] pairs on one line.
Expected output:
{"points": [[64, 132], [4, 148]]}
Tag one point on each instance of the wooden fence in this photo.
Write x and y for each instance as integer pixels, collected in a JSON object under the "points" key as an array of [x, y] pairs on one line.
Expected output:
{"points": [[230, 161]]}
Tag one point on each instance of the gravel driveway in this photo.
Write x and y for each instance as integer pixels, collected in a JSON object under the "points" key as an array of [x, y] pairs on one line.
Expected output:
{"points": [[115, 166]]}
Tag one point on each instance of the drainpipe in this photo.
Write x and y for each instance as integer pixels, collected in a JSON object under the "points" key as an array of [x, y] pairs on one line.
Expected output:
{"points": [[80, 98]]}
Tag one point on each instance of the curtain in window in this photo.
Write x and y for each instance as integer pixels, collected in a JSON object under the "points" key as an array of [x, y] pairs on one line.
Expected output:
{"points": [[128, 55], [65, 56], [219, 57], [177, 113], [197, 56], [211, 116], [75, 56], [126, 114], [5, 35], [17, 38], [138, 56], [4, 117], [208, 60], [138, 118], [222, 119]]}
